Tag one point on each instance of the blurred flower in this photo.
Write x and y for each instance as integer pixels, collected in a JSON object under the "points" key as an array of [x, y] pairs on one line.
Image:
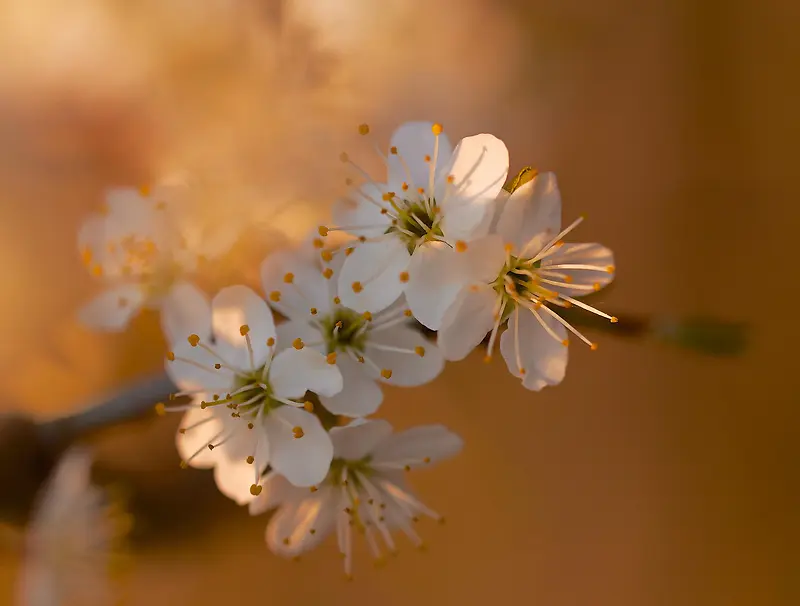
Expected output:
{"points": [[365, 348], [526, 267], [143, 246], [249, 399], [364, 491], [72, 539], [435, 199]]}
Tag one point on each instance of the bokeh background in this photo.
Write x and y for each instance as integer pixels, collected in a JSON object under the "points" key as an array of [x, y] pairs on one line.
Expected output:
{"points": [[650, 476]]}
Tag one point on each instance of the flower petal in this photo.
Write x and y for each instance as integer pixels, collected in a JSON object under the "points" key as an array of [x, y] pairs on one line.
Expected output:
{"points": [[543, 358], [361, 395], [479, 170], [291, 330], [467, 322], [234, 477], [302, 524], [201, 428], [275, 490], [114, 308], [309, 288], [417, 447], [414, 141], [193, 369], [582, 281], [295, 371], [184, 311], [408, 369], [237, 306], [532, 210], [436, 275], [356, 441], [375, 267], [304, 461], [363, 211]]}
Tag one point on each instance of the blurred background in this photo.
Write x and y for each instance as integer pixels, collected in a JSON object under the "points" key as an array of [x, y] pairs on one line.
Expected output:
{"points": [[650, 476]]}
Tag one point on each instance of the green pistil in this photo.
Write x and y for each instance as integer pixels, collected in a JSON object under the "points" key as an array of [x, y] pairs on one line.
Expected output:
{"points": [[353, 467], [409, 229], [351, 333]]}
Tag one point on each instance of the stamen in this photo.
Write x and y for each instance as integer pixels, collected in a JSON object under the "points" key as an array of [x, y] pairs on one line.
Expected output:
{"points": [[495, 330], [544, 324], [552, 242], [594, 310], [516, 341], [394, 349]]}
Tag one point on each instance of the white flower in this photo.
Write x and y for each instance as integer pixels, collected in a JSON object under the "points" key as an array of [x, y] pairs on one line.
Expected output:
{"points": [[143, 246], [249, 399], [435, 200], [365, 347], [364, 491], [70, 542], [519, 274]]}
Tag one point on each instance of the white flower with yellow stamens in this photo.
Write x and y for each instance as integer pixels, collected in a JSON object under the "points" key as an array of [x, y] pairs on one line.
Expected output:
{"points": [[248, 399], [367, 348], [143, 246], [72, 540], [435, 201], [364, 491], [520, 274]]}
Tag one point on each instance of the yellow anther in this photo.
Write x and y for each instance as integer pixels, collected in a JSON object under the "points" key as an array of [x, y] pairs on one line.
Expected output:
{"points": [[331, 358], [161, 205], [404, 186], [318, 243], [250, 460], [271, 342], [610, 269], [326, 256], [426, 460], [388, 196], [404, 276], [336, 300], [194, 340], [461, 246], [250, 426], [144, 190], [275, 296], [312, 531], [614, 319], [161, 410], [288, 278], [363, 129], [565, 342], [244, 329], [593, 346], [427, 158], [255, 490], [182, 431], [451, 179], [421, 190], [323, 231], [386, 373], [217, 365], [344, 157], [298, 343], [367, 316], [522, 371], [313, 489], [437, 129], [393, 150], [327, 273], [86, 256], [211, 447], [420, 351], [357, 287], [596, 286], [184, 465], [568, 279], [297, 432], [308, 406], [407, 467], [360, 359], [348, 251], [97, 271], [170, 356], [314, 311], [348, 181]]}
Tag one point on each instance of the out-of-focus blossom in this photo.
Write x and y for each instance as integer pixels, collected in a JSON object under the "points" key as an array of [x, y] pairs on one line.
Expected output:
{"points": [[519, 274], [73, 540], [367, 348], [364, 491], [247, 400], [435, 200]]}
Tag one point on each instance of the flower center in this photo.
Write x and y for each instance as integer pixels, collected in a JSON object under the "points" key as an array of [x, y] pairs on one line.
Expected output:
{"points": [[344, 329], [252, 395], [519, 279], [416, 220], [348, 471]]}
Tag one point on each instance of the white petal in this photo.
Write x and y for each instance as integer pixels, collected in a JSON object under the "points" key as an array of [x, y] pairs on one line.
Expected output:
{"points": [[408, 369], [361, 395], [300, 329], [436, 275], [295, 371], [532, 210], [363, 209], [376, 267], [304, 461], [310, 288], [275, 490], [467, 322], [356, 441], [418, 446], [479, 169], [113, 309], [193, 369], [484, 258], [131, 213], [186, 310], [543, 358], [234, 477], [301, 525], [582, 254], [196, 439], [236, 306], [414, 141]]}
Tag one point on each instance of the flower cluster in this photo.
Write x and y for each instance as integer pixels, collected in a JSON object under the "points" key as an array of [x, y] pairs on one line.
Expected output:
{"points": [[278, 409]]}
